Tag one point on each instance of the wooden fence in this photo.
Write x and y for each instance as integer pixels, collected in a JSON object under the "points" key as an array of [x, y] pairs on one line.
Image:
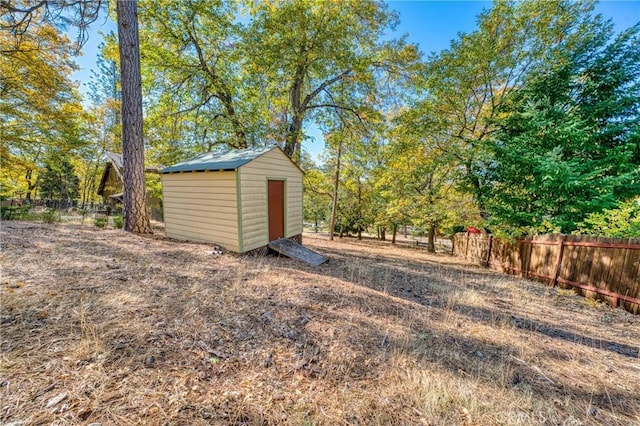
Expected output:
{"points": [[604, 268]]}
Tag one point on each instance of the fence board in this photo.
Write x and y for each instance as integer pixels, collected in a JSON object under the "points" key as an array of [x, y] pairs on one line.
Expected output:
{"points": [[573, 264], [601, 262], [606, 264], [618, 257], [604, 268], [567, 265], [585, 265], [544, 255], [629, 283]]}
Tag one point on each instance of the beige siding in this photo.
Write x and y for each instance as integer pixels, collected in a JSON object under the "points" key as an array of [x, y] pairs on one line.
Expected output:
{"points": [[253, 177], [201, 207]]}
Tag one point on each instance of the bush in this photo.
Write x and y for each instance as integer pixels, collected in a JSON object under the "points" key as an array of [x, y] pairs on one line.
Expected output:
{"points": [[623, 221], [458, 228], [50, 216], [100, 222], [118, 222], [15, 212]]}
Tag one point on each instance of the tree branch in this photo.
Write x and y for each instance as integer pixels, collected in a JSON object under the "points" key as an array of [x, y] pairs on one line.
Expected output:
{"points": [[353, 111], [324, 85]]}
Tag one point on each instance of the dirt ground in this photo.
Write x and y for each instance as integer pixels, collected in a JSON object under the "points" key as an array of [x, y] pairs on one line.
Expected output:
{"points": [[99, 326]]}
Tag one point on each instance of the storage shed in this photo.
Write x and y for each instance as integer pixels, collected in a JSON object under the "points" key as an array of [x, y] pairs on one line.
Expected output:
{"points": [[240, 200]]}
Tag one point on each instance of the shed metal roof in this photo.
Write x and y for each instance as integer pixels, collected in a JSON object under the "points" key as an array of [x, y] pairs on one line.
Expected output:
{"points": [[218, 161]]}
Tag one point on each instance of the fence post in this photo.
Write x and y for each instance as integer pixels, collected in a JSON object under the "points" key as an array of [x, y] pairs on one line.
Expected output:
{"points": [[559, 260], [489, 251], [614, 301], [525, 271]]}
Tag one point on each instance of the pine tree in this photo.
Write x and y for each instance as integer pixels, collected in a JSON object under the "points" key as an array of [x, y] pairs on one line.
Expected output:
{"points": [[568, 144], [59, 181]]}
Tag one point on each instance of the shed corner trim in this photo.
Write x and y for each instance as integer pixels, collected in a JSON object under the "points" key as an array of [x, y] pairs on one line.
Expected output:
{"points": [[239, 211]]}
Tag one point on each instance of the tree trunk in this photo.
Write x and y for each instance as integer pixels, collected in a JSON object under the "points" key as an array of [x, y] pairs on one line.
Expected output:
{"points": [[336, 182], [238, 129], [30, 185], [359, 209], [241, 137], [136, 218], [294, 132], [431, 245], [383, 233], [395, 231]]}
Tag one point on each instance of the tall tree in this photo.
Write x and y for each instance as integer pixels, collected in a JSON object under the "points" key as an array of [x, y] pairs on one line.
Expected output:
{"points": [[136, 218], [194, 63], [468, 83], [568, 143], [39, 104], [103, 123], [105, 90], [21, 16], [339, 145], [59, 180], [308, 51], [317, 194], [418, 182]]}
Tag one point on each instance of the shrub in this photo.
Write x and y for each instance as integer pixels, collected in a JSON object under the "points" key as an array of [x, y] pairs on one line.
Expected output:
{"points": [[49, 216], [118, 222], [458, 228], [623, 221], [15, 212], [100, 222]]}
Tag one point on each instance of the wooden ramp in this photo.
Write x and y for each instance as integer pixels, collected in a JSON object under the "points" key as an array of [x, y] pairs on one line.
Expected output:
{"points": [[297, 251]]}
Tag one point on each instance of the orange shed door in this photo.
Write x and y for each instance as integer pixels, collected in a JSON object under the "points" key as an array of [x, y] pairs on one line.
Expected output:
{"points": [[276, 209]]}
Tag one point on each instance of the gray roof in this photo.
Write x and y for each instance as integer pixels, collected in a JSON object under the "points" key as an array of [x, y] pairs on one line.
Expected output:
{"points": [[115, 159], [218, 161]]}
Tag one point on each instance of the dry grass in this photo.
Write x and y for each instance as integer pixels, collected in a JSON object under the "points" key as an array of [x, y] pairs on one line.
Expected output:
{"points": [[123, 329]]}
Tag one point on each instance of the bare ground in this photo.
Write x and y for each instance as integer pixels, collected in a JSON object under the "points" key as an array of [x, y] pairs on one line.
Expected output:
{"points": [[108, 327]]}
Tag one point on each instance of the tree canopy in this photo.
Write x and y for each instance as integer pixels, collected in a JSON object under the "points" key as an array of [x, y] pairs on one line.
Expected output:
{"points": [[527, 124], [39, 104], [221, 74], [568, 141]]}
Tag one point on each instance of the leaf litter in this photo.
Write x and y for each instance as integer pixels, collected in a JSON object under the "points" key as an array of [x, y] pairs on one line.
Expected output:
{"points": [[106, 327]]}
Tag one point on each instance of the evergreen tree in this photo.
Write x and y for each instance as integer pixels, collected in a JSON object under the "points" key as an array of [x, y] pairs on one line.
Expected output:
{"points": [[135, 212], [59, 181], [569, 141]]}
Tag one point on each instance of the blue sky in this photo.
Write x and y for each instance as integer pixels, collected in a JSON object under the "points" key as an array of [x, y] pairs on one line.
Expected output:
{"points": [[433, 24], [430, 24]]}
